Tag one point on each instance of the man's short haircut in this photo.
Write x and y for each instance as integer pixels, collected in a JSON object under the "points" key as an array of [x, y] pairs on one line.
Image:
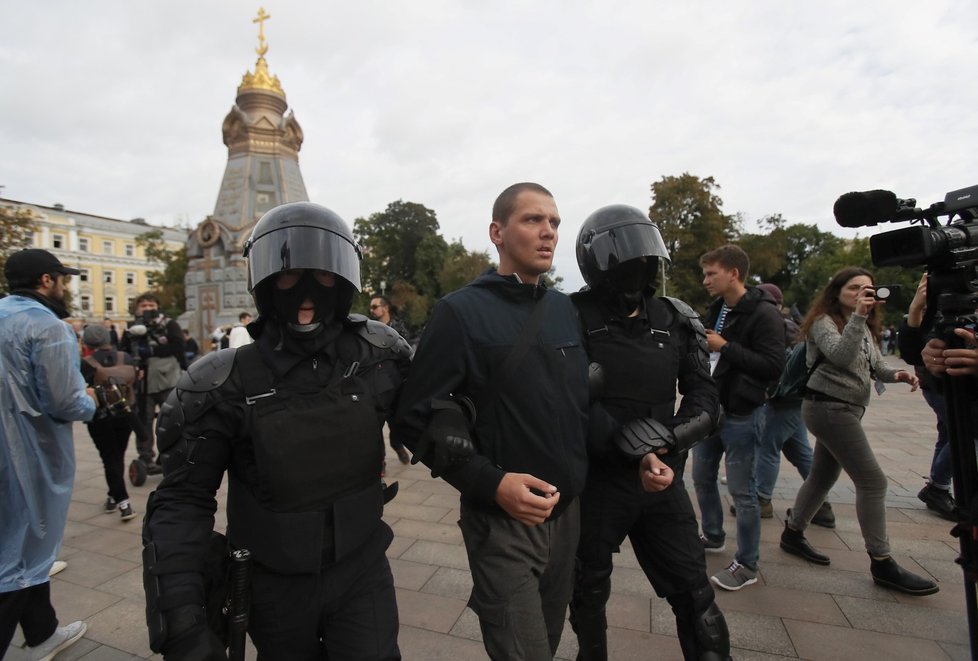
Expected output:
{"points": [[504, 205], [147, 296], [241, 317], [729, 257], [383, 300]]}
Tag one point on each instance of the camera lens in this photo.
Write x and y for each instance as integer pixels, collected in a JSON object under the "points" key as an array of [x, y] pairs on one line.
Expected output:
{"points": [[883, 293]]}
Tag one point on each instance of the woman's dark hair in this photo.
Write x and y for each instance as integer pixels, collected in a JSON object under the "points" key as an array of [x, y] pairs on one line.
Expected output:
{"points": [[827, 303]]}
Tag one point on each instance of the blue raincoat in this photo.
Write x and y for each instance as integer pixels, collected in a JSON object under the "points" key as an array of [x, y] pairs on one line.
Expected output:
{"points": [[41, 392]]}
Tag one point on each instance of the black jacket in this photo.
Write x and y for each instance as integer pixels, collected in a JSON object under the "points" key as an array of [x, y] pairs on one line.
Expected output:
{"points": [[754, 354], [536, 422]]}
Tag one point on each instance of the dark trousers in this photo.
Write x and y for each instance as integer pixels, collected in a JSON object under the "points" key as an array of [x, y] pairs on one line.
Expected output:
{"points": [[111, 437], [30, 608], [522, 580], [346, 613], [146, 446], [664, 534]]}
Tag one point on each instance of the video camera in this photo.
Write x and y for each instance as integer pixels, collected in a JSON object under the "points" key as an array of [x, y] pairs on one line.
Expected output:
{"points": [[112, 402], [936, 246]]}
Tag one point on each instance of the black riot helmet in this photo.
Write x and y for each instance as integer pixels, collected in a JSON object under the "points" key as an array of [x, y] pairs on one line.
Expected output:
{"points": [[610, 241], [302, 235]]}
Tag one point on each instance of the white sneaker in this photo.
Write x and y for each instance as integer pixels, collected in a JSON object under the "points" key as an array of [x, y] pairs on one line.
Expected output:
{"points": [[57, 567], [62, 638]]}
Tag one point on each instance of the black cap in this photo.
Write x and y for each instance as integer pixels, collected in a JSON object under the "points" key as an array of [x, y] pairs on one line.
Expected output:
{"points": [[33, 263]]}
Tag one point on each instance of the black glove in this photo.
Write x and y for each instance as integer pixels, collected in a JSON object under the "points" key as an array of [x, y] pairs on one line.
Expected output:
{"points": [[195, 644], [447, 442], [189, 638], [640, 436]]}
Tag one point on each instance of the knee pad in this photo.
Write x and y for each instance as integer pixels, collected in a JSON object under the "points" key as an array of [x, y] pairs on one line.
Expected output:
{"points": [[592, 587], [712, 636]]}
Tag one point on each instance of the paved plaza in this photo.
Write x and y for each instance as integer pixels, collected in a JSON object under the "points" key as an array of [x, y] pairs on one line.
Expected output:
{"points": [[796, 611]]}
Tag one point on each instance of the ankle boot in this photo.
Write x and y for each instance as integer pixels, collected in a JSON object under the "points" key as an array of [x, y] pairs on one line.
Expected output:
{"points": [[824, 517], [794, 542], [888, 574]]}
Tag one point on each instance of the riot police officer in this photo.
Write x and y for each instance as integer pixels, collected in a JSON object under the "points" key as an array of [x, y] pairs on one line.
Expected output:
{"points": [[644, 346], [296, 421]]}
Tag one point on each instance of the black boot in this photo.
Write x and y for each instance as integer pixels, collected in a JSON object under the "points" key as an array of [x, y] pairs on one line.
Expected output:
{"points": [[888, 574], [824, 517], [794, 542]]}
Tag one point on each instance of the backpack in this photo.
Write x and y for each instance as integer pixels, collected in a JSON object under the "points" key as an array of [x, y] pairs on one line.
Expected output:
{"points": [[794, 377], [120, 375]]}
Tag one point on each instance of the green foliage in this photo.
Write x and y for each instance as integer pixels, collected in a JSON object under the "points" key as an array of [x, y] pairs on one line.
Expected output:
{"points": [[689, 214], [16, 226], [406, 259], [168, 284]]}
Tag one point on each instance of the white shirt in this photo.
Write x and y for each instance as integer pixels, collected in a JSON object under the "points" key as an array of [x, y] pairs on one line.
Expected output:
{"points": [[239, 337]]}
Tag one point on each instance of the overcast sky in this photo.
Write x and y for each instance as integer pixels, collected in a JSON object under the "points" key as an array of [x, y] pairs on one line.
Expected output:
{"points": [[115, 108]]}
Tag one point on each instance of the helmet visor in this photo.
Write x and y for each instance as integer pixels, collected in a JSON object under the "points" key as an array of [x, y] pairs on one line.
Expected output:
{"points": [[627, 242], [303, 248]]}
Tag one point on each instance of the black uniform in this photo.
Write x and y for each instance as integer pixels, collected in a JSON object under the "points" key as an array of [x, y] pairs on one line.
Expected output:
{"points": [[642, 358], [298, 428]]}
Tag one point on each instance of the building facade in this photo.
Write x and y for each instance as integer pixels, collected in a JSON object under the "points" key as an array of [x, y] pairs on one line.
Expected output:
{"points": [[114, 268]]}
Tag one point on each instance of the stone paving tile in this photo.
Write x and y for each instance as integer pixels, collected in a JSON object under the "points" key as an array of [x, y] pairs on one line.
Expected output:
{"points": [[418, 643], [107, 542], [410, 575], [436, 553], [820, 642], [93, 569], [625, 580], [630, 612], [783, 602], [399, 545], [762, 633], [415, 512], [823, 579], [455, 583], [897, 618], [428, 611], [122, 626], [956, 652], [433, 532]]}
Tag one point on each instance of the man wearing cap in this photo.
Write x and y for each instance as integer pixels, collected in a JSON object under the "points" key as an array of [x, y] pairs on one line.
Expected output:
{"points": [[783, 431], [43, 392]]}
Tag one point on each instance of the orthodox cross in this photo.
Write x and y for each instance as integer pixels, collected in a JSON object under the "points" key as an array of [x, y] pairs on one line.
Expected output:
{"points": [[260, 20]]}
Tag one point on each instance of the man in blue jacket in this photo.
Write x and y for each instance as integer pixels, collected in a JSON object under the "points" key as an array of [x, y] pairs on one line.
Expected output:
{"points": [[43, 392], [496, 402]]}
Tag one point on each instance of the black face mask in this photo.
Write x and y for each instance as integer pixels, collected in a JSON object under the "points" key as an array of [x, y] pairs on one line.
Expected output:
{"points": [[628, 282], [287, 301]]}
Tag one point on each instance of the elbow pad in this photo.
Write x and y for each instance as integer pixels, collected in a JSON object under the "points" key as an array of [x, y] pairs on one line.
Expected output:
{"points": [[694, 430]]}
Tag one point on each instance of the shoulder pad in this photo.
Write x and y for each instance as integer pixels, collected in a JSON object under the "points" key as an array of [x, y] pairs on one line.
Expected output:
{"points": [[682, 307], [380, 335], [208, 373]]}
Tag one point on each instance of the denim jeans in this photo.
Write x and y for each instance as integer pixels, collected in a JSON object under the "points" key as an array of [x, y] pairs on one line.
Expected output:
{"points": [[940, 467], [736, 443], [783, 431]]}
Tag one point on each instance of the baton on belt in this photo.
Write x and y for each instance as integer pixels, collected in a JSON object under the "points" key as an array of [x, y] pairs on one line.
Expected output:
{"points": [[239, 603]]}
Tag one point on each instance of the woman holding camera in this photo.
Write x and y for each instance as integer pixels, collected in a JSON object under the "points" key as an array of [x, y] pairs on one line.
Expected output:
{"points": [[842, 332]]}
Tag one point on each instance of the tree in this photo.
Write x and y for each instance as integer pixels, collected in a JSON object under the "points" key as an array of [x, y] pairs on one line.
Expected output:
{"points": [[17, 225], [689, 214], [778, 255], [168, 284], [461, 267], [401, 244]]}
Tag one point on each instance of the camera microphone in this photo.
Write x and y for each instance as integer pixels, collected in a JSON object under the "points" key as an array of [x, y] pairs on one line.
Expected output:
{"points": [[138, 330], [868, 208]]}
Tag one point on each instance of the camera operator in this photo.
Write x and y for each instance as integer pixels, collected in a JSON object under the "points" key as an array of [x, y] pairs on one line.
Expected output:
{"points": [[939, 360], [157, 344]]}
